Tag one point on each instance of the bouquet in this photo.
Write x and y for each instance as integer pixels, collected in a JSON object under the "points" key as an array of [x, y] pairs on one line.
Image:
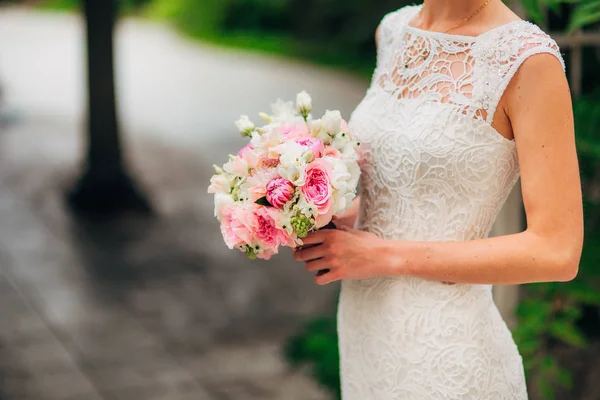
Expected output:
{"points": [[295, 173]]}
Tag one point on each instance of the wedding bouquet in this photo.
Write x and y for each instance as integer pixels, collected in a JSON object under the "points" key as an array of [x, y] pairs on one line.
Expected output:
{"points": [[290, 179]]}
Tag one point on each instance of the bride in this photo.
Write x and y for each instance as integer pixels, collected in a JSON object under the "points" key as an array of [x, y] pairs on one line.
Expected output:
{"points": [[466, 97]]}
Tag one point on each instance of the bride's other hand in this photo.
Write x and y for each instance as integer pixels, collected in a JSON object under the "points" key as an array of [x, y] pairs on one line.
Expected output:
{"points": [[347, 253]]}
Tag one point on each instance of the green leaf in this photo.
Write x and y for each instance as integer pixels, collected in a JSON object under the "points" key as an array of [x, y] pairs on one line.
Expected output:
{"points": [[263, 202], [582, 292], [529, 347], [534, 10], [545, 388], [564, 378], [586, 14], [568, 333]]}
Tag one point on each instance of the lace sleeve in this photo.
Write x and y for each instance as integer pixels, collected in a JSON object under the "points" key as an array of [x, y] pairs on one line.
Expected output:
{"points": [[501, 56]]}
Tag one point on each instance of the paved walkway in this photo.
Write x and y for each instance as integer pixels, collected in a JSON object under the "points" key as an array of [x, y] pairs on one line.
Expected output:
{"points": [[141, 308]]}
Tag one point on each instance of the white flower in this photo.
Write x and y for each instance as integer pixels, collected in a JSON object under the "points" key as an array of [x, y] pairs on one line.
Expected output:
{"points": [[283, 111], [307, 208], [332, 122], [346, 145], [237, 166], [285, 220], [219, 184], [342, 201], [304, 104], [293, 173], [222, 200], [245, 125], [345, 175], [317, 131]]}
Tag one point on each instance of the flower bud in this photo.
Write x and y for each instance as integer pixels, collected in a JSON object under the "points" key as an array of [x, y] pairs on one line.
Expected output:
{"points": [[304, 104], [245, 125]]}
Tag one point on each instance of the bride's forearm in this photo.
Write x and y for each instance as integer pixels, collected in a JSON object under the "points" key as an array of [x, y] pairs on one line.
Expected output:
{"points": [[519, 258]]}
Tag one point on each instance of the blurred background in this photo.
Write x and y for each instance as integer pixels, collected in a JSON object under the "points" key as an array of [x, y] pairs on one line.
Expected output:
{"points": [[114, 280]]}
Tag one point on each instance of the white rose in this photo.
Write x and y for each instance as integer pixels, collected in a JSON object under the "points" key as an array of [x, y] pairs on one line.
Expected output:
{"points": [[303, 104], [332, 122], [345, 175], [341, 202], [245, 125]]}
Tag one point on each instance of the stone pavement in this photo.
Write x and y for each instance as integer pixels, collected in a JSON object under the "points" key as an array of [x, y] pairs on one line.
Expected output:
{"points": [[141, 308]]}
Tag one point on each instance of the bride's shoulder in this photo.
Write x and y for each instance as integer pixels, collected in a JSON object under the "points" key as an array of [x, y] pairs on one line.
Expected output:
{"points": [[396, 20], [515, 42]]}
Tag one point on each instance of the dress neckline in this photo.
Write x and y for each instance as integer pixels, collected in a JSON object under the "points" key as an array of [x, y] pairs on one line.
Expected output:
{"points": [[442, 35]]}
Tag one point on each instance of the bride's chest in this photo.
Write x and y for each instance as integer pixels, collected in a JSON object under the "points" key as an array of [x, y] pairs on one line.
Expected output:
{"points": [[411, 141]]}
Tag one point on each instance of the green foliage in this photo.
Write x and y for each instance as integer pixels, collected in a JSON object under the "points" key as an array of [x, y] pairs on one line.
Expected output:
{"points": [[317, 345], [585, 12]]}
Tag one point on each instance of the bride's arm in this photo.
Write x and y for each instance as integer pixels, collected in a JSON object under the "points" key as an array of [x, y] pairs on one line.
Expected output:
{"points": [[539, 107]]}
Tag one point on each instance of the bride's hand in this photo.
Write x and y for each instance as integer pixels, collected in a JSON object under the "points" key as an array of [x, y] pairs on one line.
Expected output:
{"points": [[347, 254]]}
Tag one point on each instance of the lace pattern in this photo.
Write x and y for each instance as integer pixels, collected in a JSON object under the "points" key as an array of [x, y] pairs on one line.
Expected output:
{"points": [[434, 169]]}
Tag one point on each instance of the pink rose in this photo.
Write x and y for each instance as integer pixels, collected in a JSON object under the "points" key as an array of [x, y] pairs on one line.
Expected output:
{"points": [[317, 189], [315, 145], [267, 233], [279, 192], [331, 151], [297, 130]]}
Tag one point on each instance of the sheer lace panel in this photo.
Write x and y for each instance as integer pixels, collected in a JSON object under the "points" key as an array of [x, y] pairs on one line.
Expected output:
{"points": [[468, 72]]}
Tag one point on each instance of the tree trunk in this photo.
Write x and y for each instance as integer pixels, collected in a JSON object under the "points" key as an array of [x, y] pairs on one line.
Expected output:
{"points": [[105, 186]]}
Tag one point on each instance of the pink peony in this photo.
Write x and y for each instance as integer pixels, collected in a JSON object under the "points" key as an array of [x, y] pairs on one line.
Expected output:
{"points": [[315, 145], [297, 130], [245, 149], [249, 156], [317, 189], [267, 233], [279, 192], [331, 151], [237, 226]]}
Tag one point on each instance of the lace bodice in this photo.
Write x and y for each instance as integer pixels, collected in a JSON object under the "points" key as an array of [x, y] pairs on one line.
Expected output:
{"points": [[433, 169], [433, 166]]}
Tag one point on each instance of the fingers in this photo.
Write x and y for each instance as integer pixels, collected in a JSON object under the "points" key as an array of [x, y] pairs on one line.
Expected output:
{"points": [[317, 237], [311, 253], [317, 265], [327, 278]]}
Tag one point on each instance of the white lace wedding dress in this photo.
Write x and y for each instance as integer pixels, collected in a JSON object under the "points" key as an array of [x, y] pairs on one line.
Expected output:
{"points": [[434, 169]]}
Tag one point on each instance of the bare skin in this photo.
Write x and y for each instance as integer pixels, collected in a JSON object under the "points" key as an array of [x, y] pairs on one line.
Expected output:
{"points": [[536, 111]]}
